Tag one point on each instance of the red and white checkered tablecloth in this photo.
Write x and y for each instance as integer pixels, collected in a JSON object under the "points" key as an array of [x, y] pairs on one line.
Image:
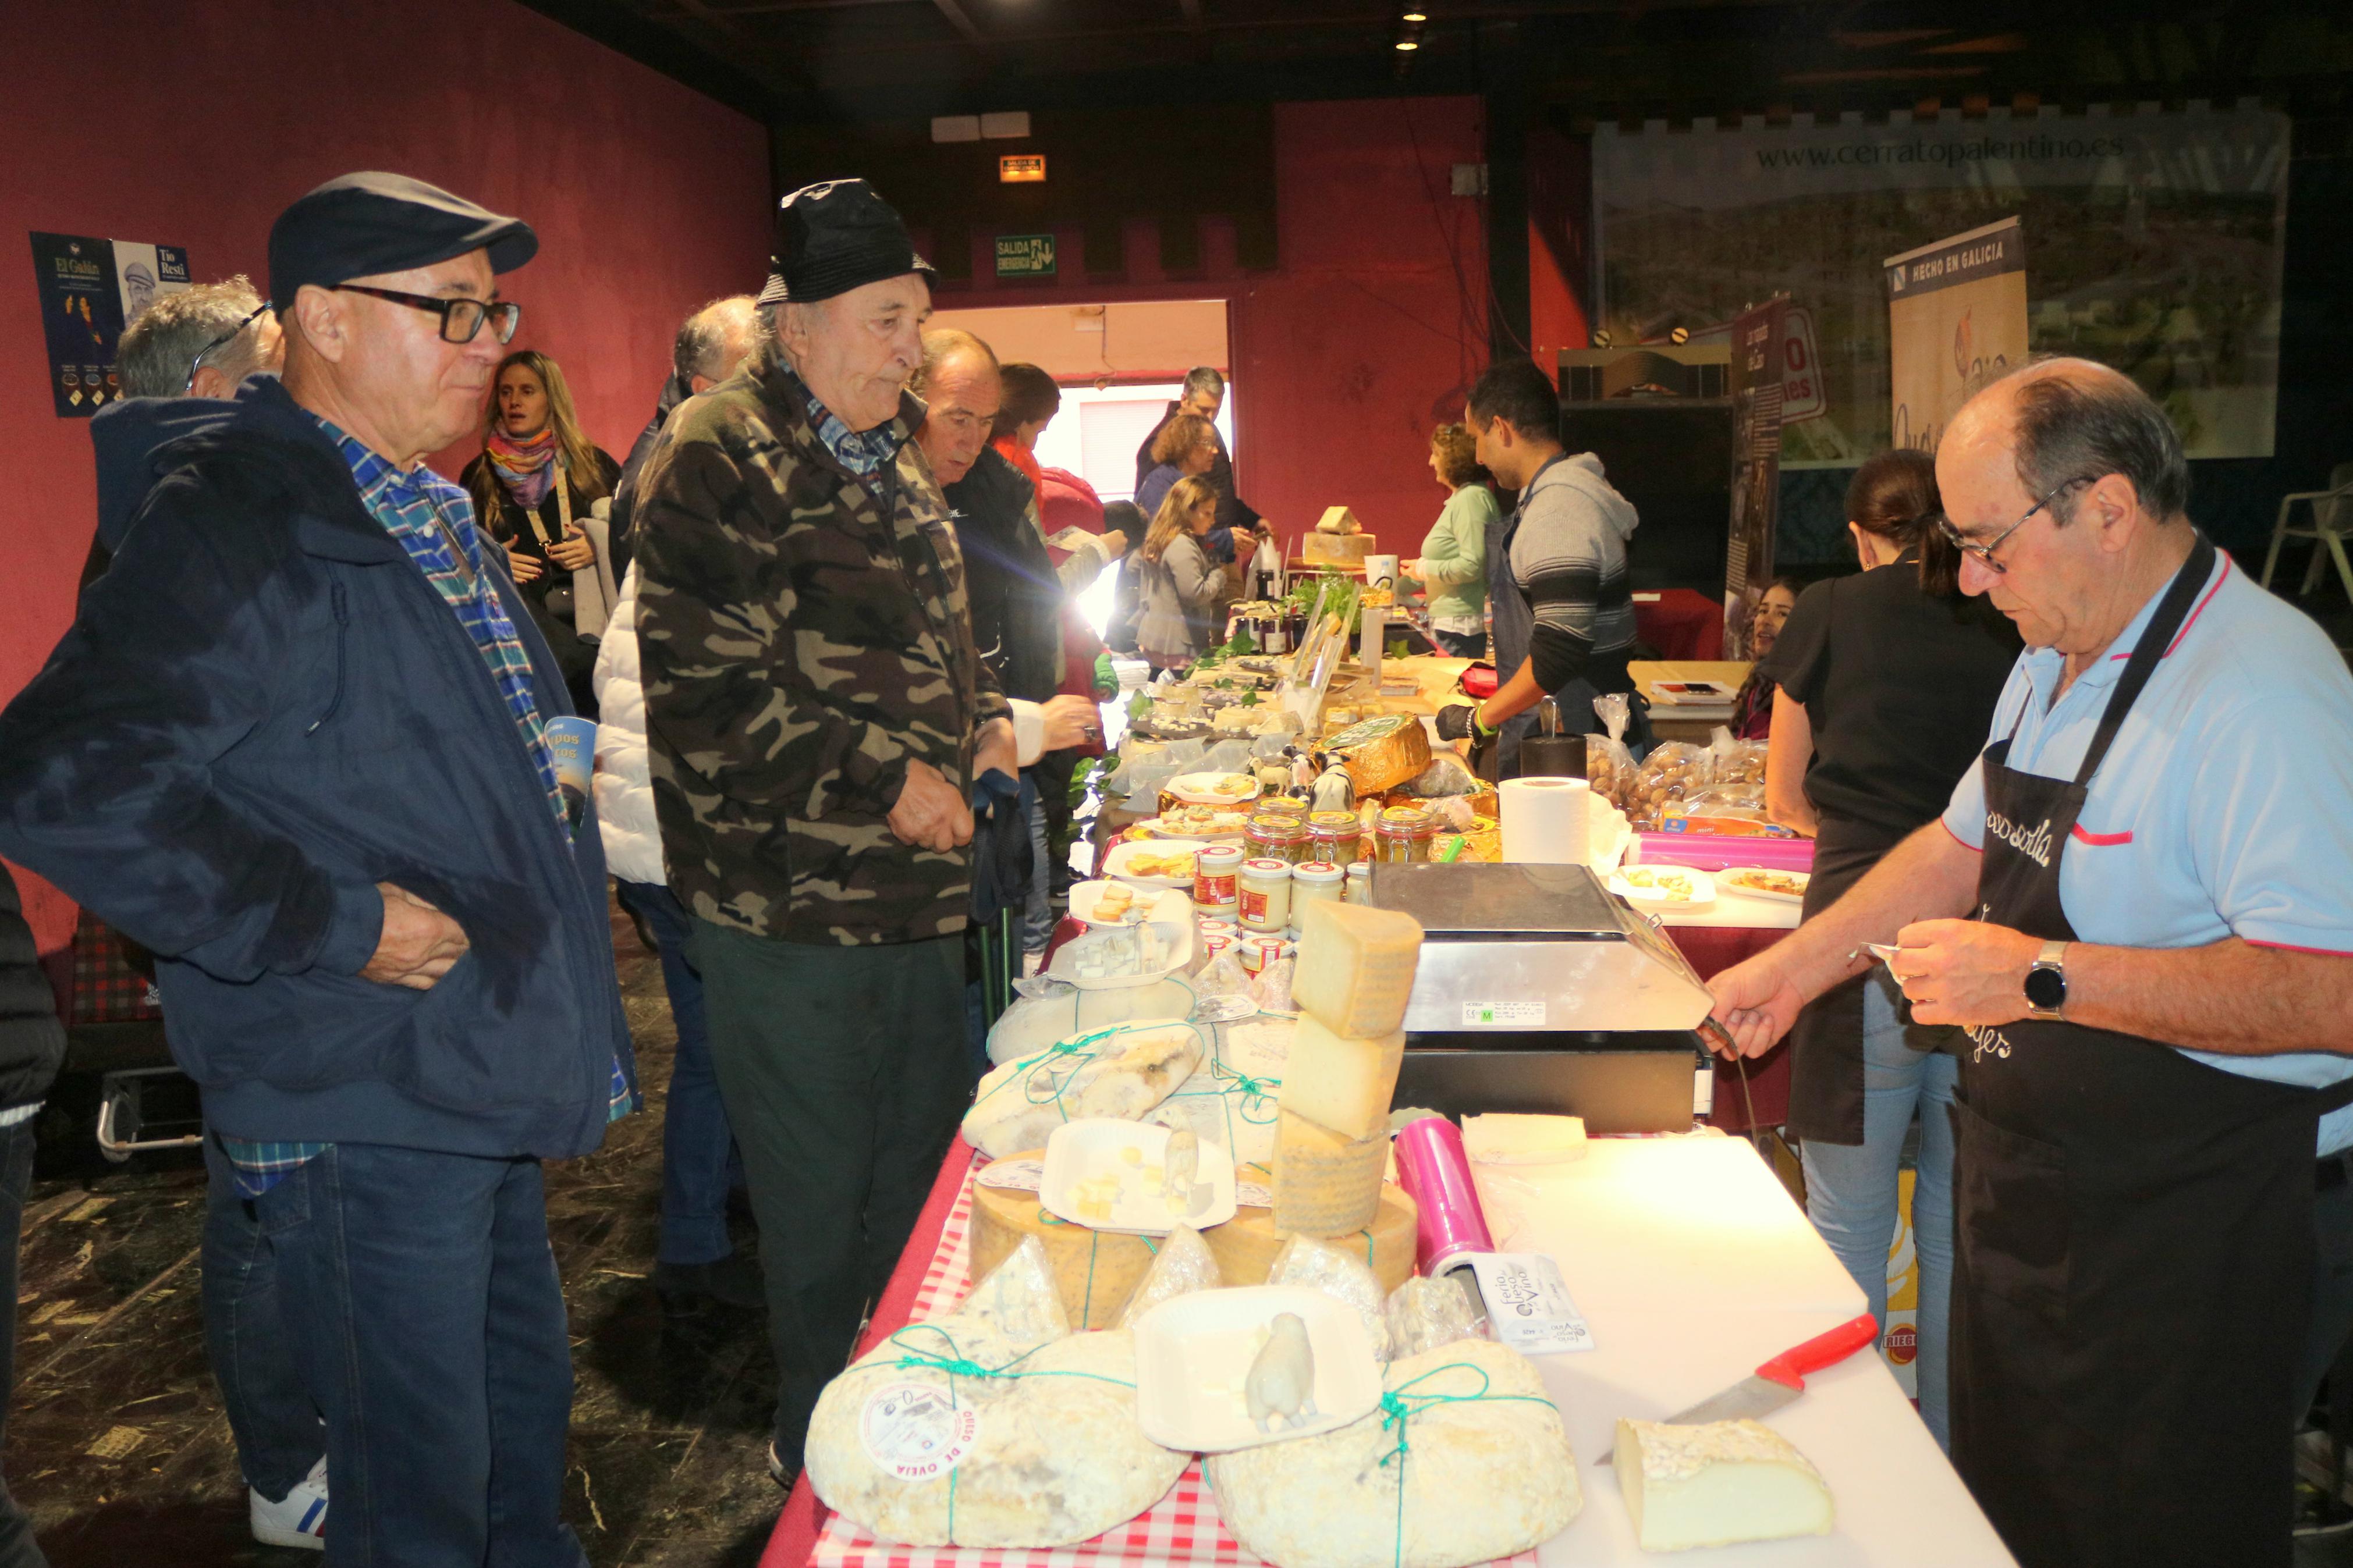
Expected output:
{"points": [[1181, 1528]]}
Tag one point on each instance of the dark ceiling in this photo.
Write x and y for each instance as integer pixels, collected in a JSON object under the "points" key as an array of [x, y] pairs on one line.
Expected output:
{"points": [[870, 60]]}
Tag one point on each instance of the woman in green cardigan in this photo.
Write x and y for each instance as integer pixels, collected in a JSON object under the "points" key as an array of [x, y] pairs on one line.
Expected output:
{"points": [[1452, 566]]}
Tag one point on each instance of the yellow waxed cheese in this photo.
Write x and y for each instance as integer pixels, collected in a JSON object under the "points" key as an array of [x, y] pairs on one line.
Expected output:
{"points": [[1355, 968], [1342, 1085], [1326, 1185]]}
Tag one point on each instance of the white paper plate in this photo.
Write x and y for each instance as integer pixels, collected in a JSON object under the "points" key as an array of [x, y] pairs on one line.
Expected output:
{"points": [[1097, 1146], [1703, 889], [1195, 788], [1169, 927], [1084, 896], [1220, 835], [1193, 1354], [1116, 863], [1726, 884]]}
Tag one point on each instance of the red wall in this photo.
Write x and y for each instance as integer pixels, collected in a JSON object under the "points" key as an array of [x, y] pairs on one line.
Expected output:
{"points": [[1369, 333], [195, 124]]}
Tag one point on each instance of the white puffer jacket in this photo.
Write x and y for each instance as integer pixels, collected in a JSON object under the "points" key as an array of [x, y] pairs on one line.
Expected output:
{"points": [[624, 791]]}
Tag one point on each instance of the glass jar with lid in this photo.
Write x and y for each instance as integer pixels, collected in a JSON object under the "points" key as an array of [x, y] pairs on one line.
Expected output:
{"points": [[1276, 837], [1403, 834], [1313, 881], [1335, 838], [1264, 895]]}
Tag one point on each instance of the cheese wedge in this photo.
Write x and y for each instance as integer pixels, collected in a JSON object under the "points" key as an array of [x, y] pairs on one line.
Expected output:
{"points": [[1341, 1084], [1716, 1485], [1326, 1185], [1355, 968], [1507, 1140]]}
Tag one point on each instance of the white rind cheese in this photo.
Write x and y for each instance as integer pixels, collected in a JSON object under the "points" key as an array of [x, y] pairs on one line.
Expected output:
{"points": [[1342, 1085], [1482, 1479], [1133, 1068], [1508, 1139], [1355, 968], [1717, 1484]]}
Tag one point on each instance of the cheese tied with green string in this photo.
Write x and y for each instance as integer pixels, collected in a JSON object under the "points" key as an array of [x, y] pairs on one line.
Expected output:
{"points": [[1121, 1071], [1465, 1462], [993, 1426]]}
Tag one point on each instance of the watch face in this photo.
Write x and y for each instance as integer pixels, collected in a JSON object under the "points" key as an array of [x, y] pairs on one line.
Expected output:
{"points": [[2046, 989]]}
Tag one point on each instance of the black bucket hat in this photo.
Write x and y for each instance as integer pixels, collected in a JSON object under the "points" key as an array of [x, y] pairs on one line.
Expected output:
{"points": [[835, 237], [363, 225]]}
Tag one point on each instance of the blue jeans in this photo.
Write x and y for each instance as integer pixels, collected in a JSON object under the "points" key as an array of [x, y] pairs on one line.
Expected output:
{"points": [[1851, 1189], [696, 1143], [271, 1414], [1038, 909], [419, 1296]]}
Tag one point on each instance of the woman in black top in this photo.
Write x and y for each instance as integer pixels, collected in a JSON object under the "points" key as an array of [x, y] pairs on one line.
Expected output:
{"points": [[1885, 685], [536, 478]]}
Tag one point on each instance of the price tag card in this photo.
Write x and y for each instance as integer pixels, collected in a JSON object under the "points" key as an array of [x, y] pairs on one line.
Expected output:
{"points": [[1528, 1306]]}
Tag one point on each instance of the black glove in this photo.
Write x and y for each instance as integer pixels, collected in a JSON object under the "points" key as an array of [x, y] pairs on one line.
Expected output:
{"points": [[1459, 721]]}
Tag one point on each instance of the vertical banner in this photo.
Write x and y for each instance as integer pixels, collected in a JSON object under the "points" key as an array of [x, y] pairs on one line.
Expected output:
{"points": [[90, 290], [1956, 319], [1758, 347]]}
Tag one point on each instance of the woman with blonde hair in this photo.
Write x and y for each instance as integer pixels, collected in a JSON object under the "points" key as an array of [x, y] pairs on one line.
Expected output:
{"points": [[533, 486], [1178, 588], [1452, 565]]}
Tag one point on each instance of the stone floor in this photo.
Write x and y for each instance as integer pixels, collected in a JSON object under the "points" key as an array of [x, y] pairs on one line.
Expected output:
{"points": [[116, 1439]]}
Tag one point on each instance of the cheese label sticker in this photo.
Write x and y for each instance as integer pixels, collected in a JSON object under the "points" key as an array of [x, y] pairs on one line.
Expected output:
{"points": [[1224, 1009], [913, 1431], [1528, 1304], [1013, 1176], [1504, 1014]]}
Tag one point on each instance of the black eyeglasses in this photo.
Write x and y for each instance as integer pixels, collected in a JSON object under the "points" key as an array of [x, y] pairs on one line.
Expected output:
{"points": [[197, 364], [461, 319], [1984, 551]]}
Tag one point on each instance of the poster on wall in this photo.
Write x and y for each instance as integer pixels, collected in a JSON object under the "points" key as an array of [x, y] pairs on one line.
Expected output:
{"points": [[1758, 344], [1956, 319], [90, 290], [2158, 242]]}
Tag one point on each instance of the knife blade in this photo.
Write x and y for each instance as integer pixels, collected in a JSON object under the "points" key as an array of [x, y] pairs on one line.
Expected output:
{"points": [[1781, 1379]]}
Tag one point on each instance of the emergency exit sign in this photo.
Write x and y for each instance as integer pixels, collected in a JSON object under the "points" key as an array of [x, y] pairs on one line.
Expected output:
{"points": [[1025, 256], [1022, 169]]}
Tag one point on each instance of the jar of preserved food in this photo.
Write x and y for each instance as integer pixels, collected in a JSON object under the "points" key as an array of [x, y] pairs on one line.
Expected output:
{"points": [[1313, 881], [1258, 951], [1403, 835], [1215, 869], [1360, 882], [1264, 894], [1335, 838], [1283, 838]]}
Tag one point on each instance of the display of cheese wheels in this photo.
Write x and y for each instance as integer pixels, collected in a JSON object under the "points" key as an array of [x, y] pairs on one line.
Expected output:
{"points": [[1094, 1272], [1245, 1246]]}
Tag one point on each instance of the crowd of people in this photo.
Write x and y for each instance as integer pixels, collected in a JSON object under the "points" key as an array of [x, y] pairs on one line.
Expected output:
{"points": [[295, 746]]}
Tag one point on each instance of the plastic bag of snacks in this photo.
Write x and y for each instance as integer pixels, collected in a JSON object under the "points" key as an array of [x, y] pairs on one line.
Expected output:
{"points": [[1673, 771], [1608, 765], [1736, 768]]}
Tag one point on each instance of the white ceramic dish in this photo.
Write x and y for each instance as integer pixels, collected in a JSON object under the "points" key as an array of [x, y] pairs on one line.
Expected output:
{"points": [[1194, 1354], [1700, 884], [1165, 936], [1228, 830], [1727, 882], [1145, 904], [1198, 789], [1094, 1147], [1117, 864]]}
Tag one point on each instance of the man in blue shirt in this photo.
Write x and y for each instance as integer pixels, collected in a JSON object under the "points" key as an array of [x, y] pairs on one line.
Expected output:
{"points": [[295, 744], [2139, 908]]}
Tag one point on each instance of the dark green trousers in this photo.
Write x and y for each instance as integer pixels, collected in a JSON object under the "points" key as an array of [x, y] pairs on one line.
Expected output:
{"points": [[845, 1073]]}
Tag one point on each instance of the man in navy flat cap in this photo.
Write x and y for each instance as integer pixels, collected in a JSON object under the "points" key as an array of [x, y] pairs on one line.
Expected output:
{"points": [[295, 744]]}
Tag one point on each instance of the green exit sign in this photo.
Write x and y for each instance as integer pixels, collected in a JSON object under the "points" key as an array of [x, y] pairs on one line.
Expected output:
{"points": [[1025, 256]]}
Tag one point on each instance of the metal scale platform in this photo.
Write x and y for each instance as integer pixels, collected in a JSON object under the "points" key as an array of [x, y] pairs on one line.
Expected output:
{"points": [[1540, 991]]}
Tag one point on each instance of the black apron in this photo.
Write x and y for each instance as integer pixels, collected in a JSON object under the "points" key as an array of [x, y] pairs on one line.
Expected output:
{"points": [[2134, 1249]]}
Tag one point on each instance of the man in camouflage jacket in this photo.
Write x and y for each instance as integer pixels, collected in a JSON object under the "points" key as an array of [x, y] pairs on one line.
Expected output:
{"points": [[816, 715]]}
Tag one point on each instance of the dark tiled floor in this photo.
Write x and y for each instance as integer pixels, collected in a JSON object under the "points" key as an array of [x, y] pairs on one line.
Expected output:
{"points": [[668, 1427]]}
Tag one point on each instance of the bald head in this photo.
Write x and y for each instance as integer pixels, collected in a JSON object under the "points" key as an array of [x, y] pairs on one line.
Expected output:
{"points": [[962, 395], [2069, 419]]}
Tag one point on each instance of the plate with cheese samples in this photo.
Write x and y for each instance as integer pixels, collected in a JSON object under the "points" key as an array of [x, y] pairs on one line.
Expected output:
{"points": [[1112, 955], [1222, 1370], [1152, 862], [1109, 904], [1664, 886], [1763, 882], [1214, 788], [1134, 1178]]}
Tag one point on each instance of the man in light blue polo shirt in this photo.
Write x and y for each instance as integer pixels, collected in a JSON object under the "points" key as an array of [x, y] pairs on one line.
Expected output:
{"points": [[2140, 907]]}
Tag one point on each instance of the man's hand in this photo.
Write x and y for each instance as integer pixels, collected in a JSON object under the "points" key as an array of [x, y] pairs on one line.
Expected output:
{"points": [[1072, 721], [525, 568], [1114, 543], [1965, 972], [418, 943], [994, 747], [573, 551], [931, 815], [1460, 722], [1755, 1004]]}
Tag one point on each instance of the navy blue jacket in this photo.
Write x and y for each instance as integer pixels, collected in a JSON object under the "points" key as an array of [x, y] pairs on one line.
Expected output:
{"points": [[262, 710]]}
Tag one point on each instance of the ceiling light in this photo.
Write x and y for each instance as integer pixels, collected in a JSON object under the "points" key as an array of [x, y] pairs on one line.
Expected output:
{"points": [[1406, 44], [1416, 14]]}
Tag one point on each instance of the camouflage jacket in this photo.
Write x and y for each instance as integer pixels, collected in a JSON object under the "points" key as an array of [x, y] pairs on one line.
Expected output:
{"points": [[804, 636]]}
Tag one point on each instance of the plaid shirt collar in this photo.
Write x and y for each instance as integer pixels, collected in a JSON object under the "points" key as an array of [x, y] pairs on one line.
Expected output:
{"points": [[863, 452]]}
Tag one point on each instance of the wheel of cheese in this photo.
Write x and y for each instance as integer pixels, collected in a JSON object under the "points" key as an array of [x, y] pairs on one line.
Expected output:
{"points": [[1245, 1244], [1094, 1272], [1381, 752]]}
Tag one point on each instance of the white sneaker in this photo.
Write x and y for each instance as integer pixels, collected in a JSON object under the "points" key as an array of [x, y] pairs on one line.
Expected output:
{"points": [[299, 1521]]}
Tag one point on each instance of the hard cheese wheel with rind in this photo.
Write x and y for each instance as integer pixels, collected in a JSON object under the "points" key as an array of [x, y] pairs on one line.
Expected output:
{"points": [[1094, 1272], [1326, 1185], [1716, 1484], [1247, 1245], [1382, 753], [1342, 1085], [1355, 968], [1482, 1478]]}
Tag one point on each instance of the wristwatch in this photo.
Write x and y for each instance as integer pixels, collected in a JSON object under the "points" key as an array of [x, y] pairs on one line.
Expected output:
{"points": [[2046, 983]]}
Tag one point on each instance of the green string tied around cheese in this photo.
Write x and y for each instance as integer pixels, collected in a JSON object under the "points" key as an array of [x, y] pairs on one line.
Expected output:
{"points": [[1399, 1405], [955, 1364], [1047, 1087]]}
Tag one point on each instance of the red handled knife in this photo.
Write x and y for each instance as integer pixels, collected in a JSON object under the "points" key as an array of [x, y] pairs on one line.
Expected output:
{"points": [[1781, 1379]]}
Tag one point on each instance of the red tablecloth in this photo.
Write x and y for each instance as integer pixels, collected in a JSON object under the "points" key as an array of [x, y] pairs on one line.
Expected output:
{"points": [[1709, 949], [1681, 623]]}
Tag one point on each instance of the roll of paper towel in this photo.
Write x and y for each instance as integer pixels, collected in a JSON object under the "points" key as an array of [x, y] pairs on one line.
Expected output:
{"points": [[1380, 568], [1544, 821]]}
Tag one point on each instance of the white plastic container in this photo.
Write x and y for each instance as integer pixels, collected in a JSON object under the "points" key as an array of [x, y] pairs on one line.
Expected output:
{"points": [[1193, 1356], [1096, 1146]]}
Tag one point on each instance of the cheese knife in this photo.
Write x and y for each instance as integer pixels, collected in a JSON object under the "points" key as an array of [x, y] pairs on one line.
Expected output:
{"points": [[1781, 1379]]}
